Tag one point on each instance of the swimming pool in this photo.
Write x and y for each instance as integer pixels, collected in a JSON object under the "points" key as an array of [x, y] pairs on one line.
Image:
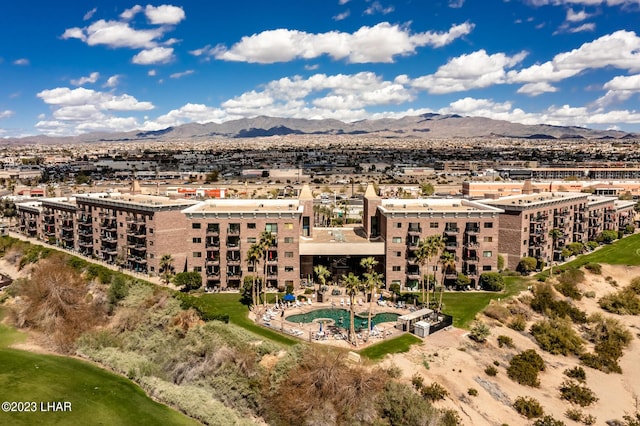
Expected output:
{"points": [[341, 317]]}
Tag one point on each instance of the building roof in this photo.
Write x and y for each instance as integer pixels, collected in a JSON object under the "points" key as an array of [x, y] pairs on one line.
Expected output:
{"points": [[340, 241], [434, 205], [531, 201], [244, 206]]}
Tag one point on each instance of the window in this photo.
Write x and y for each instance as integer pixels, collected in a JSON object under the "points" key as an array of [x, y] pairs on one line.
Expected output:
{"points": [[288, 268], [153, 269], [150, 255], [434, 225], [398, 254], [250, 268], [288, 254], [271, 227], [288, 226], [251, 240], [197, 269], [196, 240], [397, 239], [251, 225], [487, 253], [288, 283], [488, 224], [395, 282], [288, 240], [120, 224], [196, 225], [486, 267], [488, 239], [398, 225], [197, 254], [396, 268]]}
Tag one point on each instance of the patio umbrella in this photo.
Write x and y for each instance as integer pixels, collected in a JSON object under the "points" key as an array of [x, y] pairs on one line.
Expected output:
{"points": [[289, 297]]}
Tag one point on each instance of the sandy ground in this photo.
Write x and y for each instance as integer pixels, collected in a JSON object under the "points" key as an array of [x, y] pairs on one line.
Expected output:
{"points": [[458, 363]]}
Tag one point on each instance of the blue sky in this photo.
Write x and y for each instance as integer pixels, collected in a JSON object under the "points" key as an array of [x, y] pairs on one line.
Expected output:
{"points": [[77, 66]]}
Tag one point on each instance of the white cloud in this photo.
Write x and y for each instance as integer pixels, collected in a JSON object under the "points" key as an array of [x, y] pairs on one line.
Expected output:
{"points": [[456, 4], [164, 14], [376, 8], [64, 96], [619, 89], [112, 81], [535, 89], [584, 27], [115, 34], [89, 14], [83, 110], [152, 73], [380, 43], [181, 74], [130, 13], [156, 55], [470, 71], [573, 16], [343, 2], [91, 78], [188, 113], [6, 114], [21, 61], [342, 16]]}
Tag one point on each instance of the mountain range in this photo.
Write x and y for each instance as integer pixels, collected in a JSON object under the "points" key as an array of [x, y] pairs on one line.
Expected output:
{"points": [[425, 126]]}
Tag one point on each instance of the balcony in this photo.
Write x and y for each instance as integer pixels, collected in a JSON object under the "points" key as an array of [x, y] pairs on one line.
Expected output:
{"points": [[272, 273], [109, 226], [213, 272], [414, 231], [212, 242], [85, 243], [451, 230], [213, 231], [233, 231], [472, 230], [234, 273], [233, 260], [413, 243], [212, 261], [471, 244], [107, 216], [412, 260], [451, 245], [135, 220], [413, 275], [110, 251], [471, 258], [563, 213]]}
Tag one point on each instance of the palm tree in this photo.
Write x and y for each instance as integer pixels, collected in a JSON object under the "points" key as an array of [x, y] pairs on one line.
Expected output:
{"points": [[253, 258], [428, 248], [352, 287], [322, 273], [267, 240], [166, 268], [448, 261], [372, 281], [555, 234]]}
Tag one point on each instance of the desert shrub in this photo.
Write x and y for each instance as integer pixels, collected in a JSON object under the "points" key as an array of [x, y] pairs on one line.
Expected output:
{"points": [[417, 381], [574, 414], [544, 302], [576, 373], [589, 420], [479, 331], [434, 392], [401, 406], [505, 341], [527, 264], [491, 281], [528, 407], [118, 289], [472, 392], [557, 337], [594, 268], [577, 393], [568, 283], [491, 371], [524, 368], [610, 337], [497, 312], [621, 302], [590, 294], [548, 420], [543, 297], [634, 285], [449, 417], [518, 323]]}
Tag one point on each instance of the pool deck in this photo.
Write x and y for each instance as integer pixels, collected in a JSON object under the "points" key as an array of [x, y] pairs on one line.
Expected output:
{"points": [[310, 331]]}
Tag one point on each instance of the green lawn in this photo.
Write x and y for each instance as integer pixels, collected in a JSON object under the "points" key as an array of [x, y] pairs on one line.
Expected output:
{"points": [[97, 397], [391, 346], [621, 252], [464, 305], [229, 303]]}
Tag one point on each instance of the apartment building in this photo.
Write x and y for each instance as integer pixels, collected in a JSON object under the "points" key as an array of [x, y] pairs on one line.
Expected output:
{"points": [[220, 233], [213, 236], [469, 231], [528, 218]]}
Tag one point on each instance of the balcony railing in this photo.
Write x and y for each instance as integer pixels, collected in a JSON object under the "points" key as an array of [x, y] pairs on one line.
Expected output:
{"points": [[451, 230], [214, 231], [472, 230], [414, 231], [233, 231]]}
